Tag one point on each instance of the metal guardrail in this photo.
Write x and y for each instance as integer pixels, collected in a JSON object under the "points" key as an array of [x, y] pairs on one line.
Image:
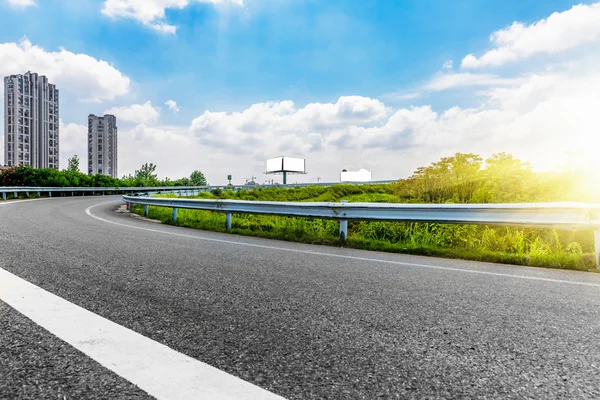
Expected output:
{"points": [[572, 216], [15, 190]]}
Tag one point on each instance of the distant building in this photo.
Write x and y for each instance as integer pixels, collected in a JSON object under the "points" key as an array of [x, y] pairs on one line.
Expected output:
{"points": [[362, 175], [30, 121], [102, 145]]}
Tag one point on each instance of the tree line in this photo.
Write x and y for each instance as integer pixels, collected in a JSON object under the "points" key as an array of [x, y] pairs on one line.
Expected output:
{"points": [[501, 178], [71, 177]]}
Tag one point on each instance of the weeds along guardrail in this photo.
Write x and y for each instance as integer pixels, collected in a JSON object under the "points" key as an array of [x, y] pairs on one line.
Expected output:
{"points": [[569, 216], [180, 190]]}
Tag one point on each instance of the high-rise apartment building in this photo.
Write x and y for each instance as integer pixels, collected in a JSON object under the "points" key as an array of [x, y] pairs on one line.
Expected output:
{"points": [[102, 145], [30, 121]]}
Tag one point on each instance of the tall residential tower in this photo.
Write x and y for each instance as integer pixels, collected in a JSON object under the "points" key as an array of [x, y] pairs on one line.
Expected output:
{"points": [[102, 145], [30, 121]]}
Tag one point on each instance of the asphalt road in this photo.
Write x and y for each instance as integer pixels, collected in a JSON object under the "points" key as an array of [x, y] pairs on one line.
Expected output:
{"points": [[36, 365], [302, 321]]}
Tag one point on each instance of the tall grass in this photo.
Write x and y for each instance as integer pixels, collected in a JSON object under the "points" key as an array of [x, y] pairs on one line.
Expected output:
{"points": [[533, 247]]}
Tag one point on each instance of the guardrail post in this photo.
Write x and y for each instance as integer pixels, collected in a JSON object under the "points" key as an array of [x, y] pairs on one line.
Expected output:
{"points": [[228, 221], [344, 226], [39, 194], [49, 194], [16, 197], [27, 194], [146, 210], [174, 217], [3, 195], [597, 244]]}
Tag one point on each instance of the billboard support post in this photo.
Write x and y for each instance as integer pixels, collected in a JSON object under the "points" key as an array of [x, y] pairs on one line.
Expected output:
{"points": [[285, 166]]}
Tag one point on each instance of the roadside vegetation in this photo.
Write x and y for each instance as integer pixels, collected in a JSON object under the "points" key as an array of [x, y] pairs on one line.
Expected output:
{"points": [[462, 178], [72, 177]]}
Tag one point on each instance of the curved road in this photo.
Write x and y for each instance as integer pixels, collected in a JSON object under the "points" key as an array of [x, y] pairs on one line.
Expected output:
{"points": [[300, 321]]}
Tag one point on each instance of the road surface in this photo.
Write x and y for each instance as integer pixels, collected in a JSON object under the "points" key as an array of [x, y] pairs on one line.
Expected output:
{"points": [[295, 320]]}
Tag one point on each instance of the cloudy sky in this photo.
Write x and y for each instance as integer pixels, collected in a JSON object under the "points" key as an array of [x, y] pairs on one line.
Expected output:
{"points": [[387, 85]]}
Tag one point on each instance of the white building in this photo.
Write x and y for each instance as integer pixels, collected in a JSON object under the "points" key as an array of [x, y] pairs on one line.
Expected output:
{"points": [[30, 121], [361, 175], [102, 145]]}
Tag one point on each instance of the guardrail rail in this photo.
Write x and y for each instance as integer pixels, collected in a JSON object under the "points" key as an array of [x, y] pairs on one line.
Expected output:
{"points": [[27, 190], [571, 216]]}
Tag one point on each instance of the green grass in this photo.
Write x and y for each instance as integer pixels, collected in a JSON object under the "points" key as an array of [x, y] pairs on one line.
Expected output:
{"points": [[531, 247], [20, 196]]}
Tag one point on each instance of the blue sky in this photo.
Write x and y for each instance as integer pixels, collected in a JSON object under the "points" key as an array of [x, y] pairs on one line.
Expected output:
{"points": [[228, 56]]}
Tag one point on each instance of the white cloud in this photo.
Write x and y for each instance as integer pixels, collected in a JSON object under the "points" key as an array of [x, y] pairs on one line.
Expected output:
{"points": [[73, 140], [444, 81], [315, 141], [172, 105], [448, 64], [559, 32], [151, 13], [539, 120], [138, 113], [267, 123], [406, 96], [400, 96], [86, 77], [170, 148], [22, 3]]}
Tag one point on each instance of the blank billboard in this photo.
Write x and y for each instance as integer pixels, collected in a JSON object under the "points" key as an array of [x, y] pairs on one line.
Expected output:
{"points": [[293, 164], [275, 164], [362, 175], [287, 164]]}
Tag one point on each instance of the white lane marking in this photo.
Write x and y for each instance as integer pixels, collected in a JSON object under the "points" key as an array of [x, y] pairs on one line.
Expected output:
{"points": [[155, 368], [3, 203], [347, 257]]}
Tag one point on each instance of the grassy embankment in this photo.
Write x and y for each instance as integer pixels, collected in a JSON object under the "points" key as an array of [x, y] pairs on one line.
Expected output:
{"points": [[533, 247]]}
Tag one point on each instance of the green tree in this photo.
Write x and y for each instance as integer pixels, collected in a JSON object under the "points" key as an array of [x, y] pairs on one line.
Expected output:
{"points": [[146, 172], [73, 163], [451, 179], [197, 178], [182, 182], [507, 180]]}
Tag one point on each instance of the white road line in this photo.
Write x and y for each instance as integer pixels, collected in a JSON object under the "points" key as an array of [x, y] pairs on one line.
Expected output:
{"points": [[317, 253], [4, 203], [155, 368]]}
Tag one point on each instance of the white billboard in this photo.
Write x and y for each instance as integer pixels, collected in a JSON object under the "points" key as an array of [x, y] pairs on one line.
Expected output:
{"points": [[293, 164], [362, 175], [287, 164], [275, 164]]}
